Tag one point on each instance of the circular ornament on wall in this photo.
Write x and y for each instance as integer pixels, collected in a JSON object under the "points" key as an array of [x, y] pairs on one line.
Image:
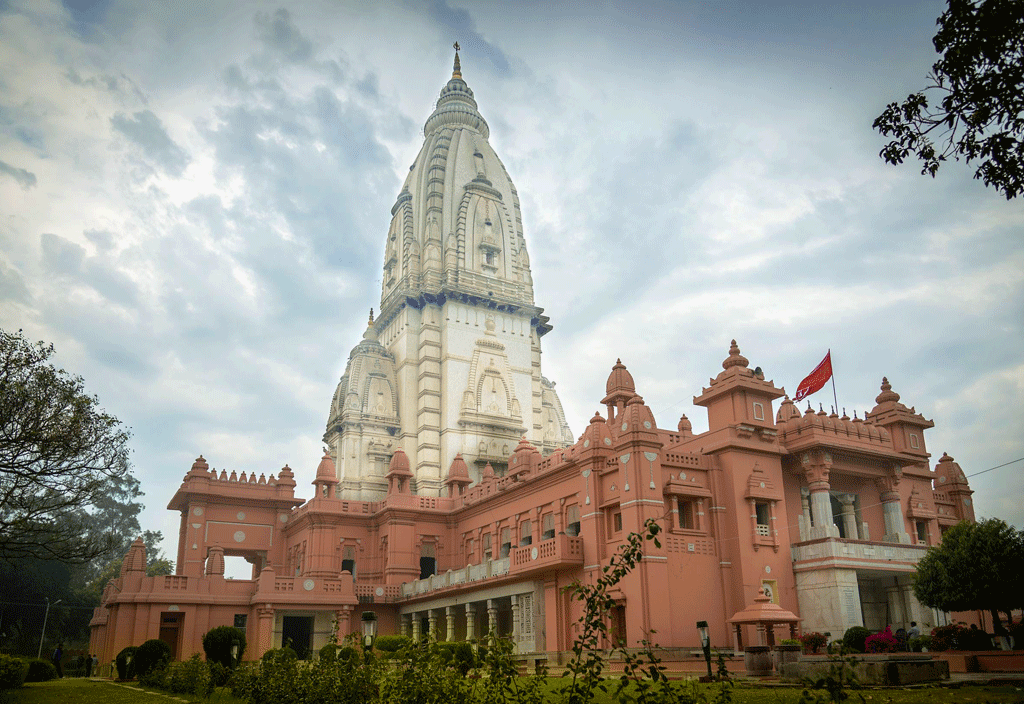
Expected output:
{"points": [[586, 443], [240, 516], [607, 441], [647, 424], [767, 569], [625, 426], [379, 591], [308, 585], [533, 554], [197, 511], [239, 536], [283, 518]]}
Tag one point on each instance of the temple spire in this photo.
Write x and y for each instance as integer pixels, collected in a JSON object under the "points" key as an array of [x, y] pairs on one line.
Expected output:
{"points": [[457, 68]]}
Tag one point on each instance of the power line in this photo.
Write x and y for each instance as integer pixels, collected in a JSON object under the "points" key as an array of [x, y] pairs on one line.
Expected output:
{"points": [[998, 466]]}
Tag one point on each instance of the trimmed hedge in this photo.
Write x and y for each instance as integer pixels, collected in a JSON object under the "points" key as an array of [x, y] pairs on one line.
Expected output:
{"points": [[40, 670], [217, 645], [12, 672], [853, 639], [125, 669], [391, 644], [152, 654]]}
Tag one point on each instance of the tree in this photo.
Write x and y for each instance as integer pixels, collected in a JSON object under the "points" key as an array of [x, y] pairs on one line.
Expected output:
{"points": [[980, 114], [977, 566], [156, 565], [58, 449]]}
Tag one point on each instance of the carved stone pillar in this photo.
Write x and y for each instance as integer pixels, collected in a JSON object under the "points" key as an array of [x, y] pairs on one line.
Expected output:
{"points": [[492, 618], [515, 619], [265, 628], [817, 466], [805, 514], [344, 618], [416, 635], [406, 625], [892, 507], [470, 622], [432, 615], [849, 517], [449, 617]]}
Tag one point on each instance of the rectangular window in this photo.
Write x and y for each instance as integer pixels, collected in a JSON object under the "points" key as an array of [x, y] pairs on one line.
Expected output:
{"points": [[525, 533], [572, 520], [348, 561], [428, 560], [913, 441], [506, 542], [485, 544], [549, 526], [763, 524], [616, 521], [240, 621], [922, 532], [686, 514], [758, 411]]}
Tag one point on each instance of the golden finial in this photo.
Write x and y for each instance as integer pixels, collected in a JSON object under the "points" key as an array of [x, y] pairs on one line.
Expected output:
{"points": [[371, 317], [457, 69]]}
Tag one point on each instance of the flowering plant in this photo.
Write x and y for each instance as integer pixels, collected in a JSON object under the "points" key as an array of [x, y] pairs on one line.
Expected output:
{"points": [[884, 642], [813, 641]]}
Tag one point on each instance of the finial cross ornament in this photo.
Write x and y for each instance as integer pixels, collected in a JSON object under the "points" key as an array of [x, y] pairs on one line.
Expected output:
{"points": [[455, 46]]}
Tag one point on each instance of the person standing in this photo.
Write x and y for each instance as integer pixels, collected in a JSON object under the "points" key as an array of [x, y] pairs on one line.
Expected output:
{"points": [[58, 654], [913, 633], [88, 666], [95, 665]]}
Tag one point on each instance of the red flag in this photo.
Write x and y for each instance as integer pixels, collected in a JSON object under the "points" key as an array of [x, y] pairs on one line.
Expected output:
{"points": [[816, 379]]}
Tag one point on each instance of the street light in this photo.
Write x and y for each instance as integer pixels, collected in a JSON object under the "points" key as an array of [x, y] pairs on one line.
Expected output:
{"points": [[234, 654], [369, 620], [45, 617], [705, 644]]}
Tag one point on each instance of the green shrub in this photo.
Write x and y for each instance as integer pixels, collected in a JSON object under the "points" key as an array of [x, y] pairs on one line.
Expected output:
{"points": [[190, 677], [391, 644], [126, 669], [219, 675], [151, 654], [217, 644], [40, 670], [921, 643], [156, 677], [329, 652], [12, 672], [853, 639], [348, 656], [279, 654], [789, 641]]}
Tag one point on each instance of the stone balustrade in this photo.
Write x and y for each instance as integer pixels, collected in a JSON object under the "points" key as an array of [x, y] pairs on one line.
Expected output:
{"points": [[855, 554]]}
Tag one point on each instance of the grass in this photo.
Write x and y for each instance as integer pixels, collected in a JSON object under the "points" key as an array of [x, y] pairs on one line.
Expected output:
{"points": [[82, 691], [77, 690]]}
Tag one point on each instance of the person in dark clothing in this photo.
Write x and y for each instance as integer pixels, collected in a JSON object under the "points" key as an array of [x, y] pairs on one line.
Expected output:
{"points": [[88, 665], [58, 654]]}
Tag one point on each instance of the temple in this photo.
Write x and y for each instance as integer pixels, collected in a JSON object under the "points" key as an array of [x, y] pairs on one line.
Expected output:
{"points": [[452, 498]]}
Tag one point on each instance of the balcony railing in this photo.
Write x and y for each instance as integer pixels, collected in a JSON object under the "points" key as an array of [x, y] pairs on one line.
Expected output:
{"points": [[827, 553], [452, 578]]}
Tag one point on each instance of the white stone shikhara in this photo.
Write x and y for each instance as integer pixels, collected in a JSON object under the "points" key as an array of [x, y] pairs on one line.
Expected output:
{"points": [[452, 363]]}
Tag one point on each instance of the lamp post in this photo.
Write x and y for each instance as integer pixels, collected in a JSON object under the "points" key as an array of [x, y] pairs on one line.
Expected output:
{"points": [[234, 654], [46, 616], [705, 644], [369, 620]]}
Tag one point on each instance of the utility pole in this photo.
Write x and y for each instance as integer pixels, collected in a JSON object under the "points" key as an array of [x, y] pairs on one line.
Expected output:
{"points": [[45, 617]]}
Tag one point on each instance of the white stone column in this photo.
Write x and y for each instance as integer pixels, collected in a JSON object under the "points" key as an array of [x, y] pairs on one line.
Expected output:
{"points": [[416, 635], [849, 518], [432, 615], [892, 508], [515, 618], [492, 617], [406, 625], [470, 622], [449, 615], [816, 471]]}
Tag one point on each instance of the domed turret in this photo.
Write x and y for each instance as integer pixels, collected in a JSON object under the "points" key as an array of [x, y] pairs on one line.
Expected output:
{"points": [[618, 389]]}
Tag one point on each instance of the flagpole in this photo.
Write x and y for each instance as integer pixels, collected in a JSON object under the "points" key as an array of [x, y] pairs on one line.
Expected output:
{"points": [[834, 397]]}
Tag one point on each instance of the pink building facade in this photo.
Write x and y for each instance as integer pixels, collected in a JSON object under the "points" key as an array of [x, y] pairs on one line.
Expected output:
{"points": [[452, 499]]}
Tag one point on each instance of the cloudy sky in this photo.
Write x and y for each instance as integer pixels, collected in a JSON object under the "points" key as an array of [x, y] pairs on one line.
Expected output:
{"points": [[194, 199]]}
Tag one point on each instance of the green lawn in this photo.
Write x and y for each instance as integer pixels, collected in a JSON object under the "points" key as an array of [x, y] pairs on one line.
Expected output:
{"points": [[76, 690], [82, 691]]}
